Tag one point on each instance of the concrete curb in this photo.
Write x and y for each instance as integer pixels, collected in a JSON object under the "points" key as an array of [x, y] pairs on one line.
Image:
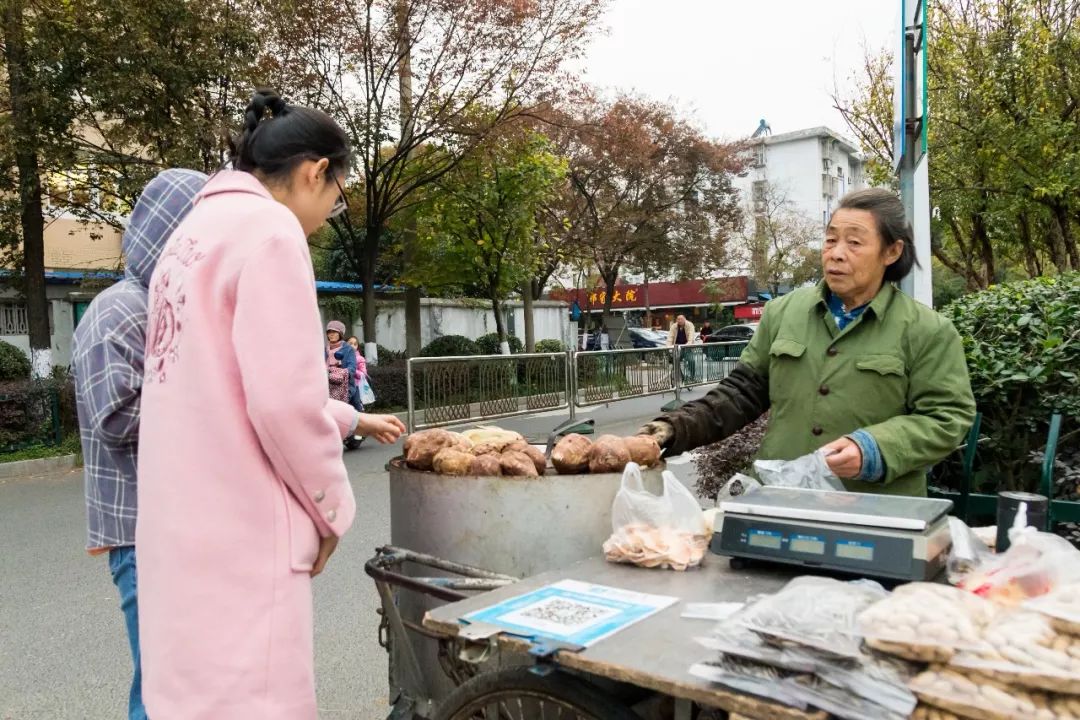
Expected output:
{"points": [[34, 468]]}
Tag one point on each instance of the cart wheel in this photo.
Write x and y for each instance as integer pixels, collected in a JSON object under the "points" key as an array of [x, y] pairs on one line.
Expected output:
{"points": [[519, 694]]}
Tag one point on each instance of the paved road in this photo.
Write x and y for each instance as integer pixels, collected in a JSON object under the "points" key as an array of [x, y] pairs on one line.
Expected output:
{"points": [[63, 653]]}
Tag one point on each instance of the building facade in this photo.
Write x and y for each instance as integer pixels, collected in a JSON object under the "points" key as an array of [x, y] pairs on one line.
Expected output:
{"points": [[812, 169]]}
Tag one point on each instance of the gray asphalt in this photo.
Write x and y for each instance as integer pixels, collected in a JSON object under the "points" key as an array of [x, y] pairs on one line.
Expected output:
{"points": [[63, 651]]}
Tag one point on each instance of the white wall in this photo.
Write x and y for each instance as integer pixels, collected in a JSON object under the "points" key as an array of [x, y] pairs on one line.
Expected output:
{"points": [[466, 317]]}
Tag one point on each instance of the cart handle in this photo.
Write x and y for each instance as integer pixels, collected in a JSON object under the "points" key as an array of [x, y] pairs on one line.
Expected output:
{"points": [[381, 568]]}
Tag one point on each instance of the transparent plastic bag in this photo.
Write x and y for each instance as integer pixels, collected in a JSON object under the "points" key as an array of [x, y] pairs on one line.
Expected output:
{"points": [[1023, 648], [734, 640], [926, 622], [881, 679], [656, 531], [975, 697], [837, 701], [1061, 607], [749, 677], [809, 471], [967, 551], [738, 484], [814, 612]]}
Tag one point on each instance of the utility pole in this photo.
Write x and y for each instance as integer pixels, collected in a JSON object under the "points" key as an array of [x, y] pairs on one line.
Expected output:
{"points": [[910, 114]]}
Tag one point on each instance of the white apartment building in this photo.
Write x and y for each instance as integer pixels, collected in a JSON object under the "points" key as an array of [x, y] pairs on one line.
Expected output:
{"points": [[812, 168]]}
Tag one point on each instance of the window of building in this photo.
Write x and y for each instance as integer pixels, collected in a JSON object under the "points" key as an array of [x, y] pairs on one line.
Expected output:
{"points": [[839, 171], [759, 155], [758, 190], [13, 319], [825, 164]]}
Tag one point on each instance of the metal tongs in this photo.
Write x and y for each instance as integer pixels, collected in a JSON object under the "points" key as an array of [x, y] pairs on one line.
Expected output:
{"points": [[561, 429]]}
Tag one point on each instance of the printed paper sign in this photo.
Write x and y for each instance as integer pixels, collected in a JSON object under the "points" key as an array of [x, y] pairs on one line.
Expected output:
{"points": [[570, 611]]}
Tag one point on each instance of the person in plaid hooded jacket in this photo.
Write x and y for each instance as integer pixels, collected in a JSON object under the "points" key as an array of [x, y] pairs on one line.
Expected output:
{"points": [[109, 354]]}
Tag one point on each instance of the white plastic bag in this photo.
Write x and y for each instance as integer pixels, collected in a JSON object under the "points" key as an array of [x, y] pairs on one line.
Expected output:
{"points": [[665, 531], [367, 395], [809, 471]]}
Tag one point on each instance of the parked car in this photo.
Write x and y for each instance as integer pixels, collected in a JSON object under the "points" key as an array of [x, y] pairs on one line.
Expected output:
{"points": [[644, 338], [733, 333]]}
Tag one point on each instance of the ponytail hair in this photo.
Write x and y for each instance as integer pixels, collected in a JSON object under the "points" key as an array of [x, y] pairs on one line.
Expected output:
{"points": [[273, 145]]}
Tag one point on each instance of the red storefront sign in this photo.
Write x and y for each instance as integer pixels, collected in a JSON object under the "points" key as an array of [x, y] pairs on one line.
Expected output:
{"points": [[751, 311], [660, 294]]}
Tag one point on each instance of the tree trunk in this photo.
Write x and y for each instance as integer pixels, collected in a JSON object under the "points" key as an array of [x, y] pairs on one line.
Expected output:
{"points": [[527, 311], [412, 294], [500, 326], [1031, 257], [26, 160], [367, 275], [648, 308], [1061, 216]]}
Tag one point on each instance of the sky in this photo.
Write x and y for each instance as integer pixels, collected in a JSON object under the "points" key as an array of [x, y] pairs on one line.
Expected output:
{"points": [[729, 63]]}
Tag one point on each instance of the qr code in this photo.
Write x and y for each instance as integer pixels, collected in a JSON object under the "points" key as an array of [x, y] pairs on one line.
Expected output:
{"points": [[568, 613]]}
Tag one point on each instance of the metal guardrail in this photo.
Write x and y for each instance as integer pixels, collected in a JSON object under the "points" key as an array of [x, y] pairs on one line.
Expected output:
{"points": [[448, 390], [707, 363], [603, 376]]}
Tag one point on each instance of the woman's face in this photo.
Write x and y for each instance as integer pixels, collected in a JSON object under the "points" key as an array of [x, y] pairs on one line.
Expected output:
{"points": [[853, 257], [314, 194], [333, 337]]}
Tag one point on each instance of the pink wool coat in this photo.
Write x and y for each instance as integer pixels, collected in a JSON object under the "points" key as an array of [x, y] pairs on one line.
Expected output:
{"points": [[240, 464]]}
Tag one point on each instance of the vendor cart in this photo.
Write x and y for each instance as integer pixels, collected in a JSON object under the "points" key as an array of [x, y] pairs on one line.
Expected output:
{"points": [[639, 672]]}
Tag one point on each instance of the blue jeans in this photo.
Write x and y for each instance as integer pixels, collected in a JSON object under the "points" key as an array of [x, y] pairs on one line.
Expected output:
{"points": [[122, 566]]}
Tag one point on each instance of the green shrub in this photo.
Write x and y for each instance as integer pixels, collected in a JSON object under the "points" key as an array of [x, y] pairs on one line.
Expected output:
{"points": [[550, 346], [14, 365], [26, 414], [450, 346], [489, 344], [390, 357], [389, 385], [1023, 355]]}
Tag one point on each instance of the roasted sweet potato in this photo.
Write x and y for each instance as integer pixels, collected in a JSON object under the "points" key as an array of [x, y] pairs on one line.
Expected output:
{"points": [[534, 453], [497, 437], [608, 455], [518, 464], [486, 465], [571, 454], [422, 447], [644, 450], [452, 461]]}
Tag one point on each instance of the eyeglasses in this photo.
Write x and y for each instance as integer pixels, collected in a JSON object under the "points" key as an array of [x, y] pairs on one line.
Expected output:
{"points": [[342, 204]]}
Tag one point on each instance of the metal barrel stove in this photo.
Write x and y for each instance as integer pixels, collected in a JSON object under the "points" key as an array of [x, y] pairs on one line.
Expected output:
{"points": [[515, 527]]}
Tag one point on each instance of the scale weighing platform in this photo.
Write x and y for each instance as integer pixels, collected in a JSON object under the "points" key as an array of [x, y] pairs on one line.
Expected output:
{"points": [[883, 536]]}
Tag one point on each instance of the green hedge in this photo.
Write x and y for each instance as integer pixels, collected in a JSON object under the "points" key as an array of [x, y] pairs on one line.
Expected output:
{"points": [[550, 346], [1023, 354], [14, 365], [450, 346], [489, 344], [389, 385]]}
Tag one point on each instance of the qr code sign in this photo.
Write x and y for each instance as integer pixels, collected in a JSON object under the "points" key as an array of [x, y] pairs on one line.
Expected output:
{"points": [[560, 616], [566, 612]]}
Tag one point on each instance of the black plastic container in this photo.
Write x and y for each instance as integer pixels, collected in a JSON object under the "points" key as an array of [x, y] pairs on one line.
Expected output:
{"points": [[1007, 507]]}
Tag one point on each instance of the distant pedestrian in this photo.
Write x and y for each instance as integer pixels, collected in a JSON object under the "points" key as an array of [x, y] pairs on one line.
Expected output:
{"points": [[705, 331], [681, 331], [340, 364], [108, 359], [361, 364]]}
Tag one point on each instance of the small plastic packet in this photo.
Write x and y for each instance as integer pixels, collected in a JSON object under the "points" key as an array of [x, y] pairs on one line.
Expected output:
{"points": [[734, 640], [980, 699], [738, 484], [748, 677], [1061, 607], [814, 612], [809, 471], [926, 622], [881, 679], [838, 701]]}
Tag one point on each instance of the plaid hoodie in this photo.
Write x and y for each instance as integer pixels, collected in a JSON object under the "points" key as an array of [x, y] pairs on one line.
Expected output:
{"points": [[109, 349]]}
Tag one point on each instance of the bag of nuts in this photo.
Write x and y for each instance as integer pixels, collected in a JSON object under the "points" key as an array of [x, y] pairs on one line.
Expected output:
{"points": [[926, 622], [1024, 649], [981, 699], [1062, 607]]}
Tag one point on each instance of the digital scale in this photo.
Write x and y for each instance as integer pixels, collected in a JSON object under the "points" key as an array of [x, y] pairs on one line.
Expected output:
{"points": [[883, 536]]}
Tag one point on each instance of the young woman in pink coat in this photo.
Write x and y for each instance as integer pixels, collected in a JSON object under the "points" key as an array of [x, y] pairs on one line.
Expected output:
{"points": [[242, 490]]}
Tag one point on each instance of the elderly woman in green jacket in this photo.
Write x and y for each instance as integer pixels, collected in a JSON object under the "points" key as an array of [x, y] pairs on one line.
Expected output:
{"points": [[851, 365]]}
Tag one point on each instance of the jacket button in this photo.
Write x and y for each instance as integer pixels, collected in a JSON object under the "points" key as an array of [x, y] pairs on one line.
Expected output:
{"points": [[331, 516], [832, 352], [816, 430], [824, 389], [319, 496]]}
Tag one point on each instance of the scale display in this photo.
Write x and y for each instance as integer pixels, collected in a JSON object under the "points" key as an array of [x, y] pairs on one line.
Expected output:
{"points": [[807, 544], [766, 539], [855, 550]]}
